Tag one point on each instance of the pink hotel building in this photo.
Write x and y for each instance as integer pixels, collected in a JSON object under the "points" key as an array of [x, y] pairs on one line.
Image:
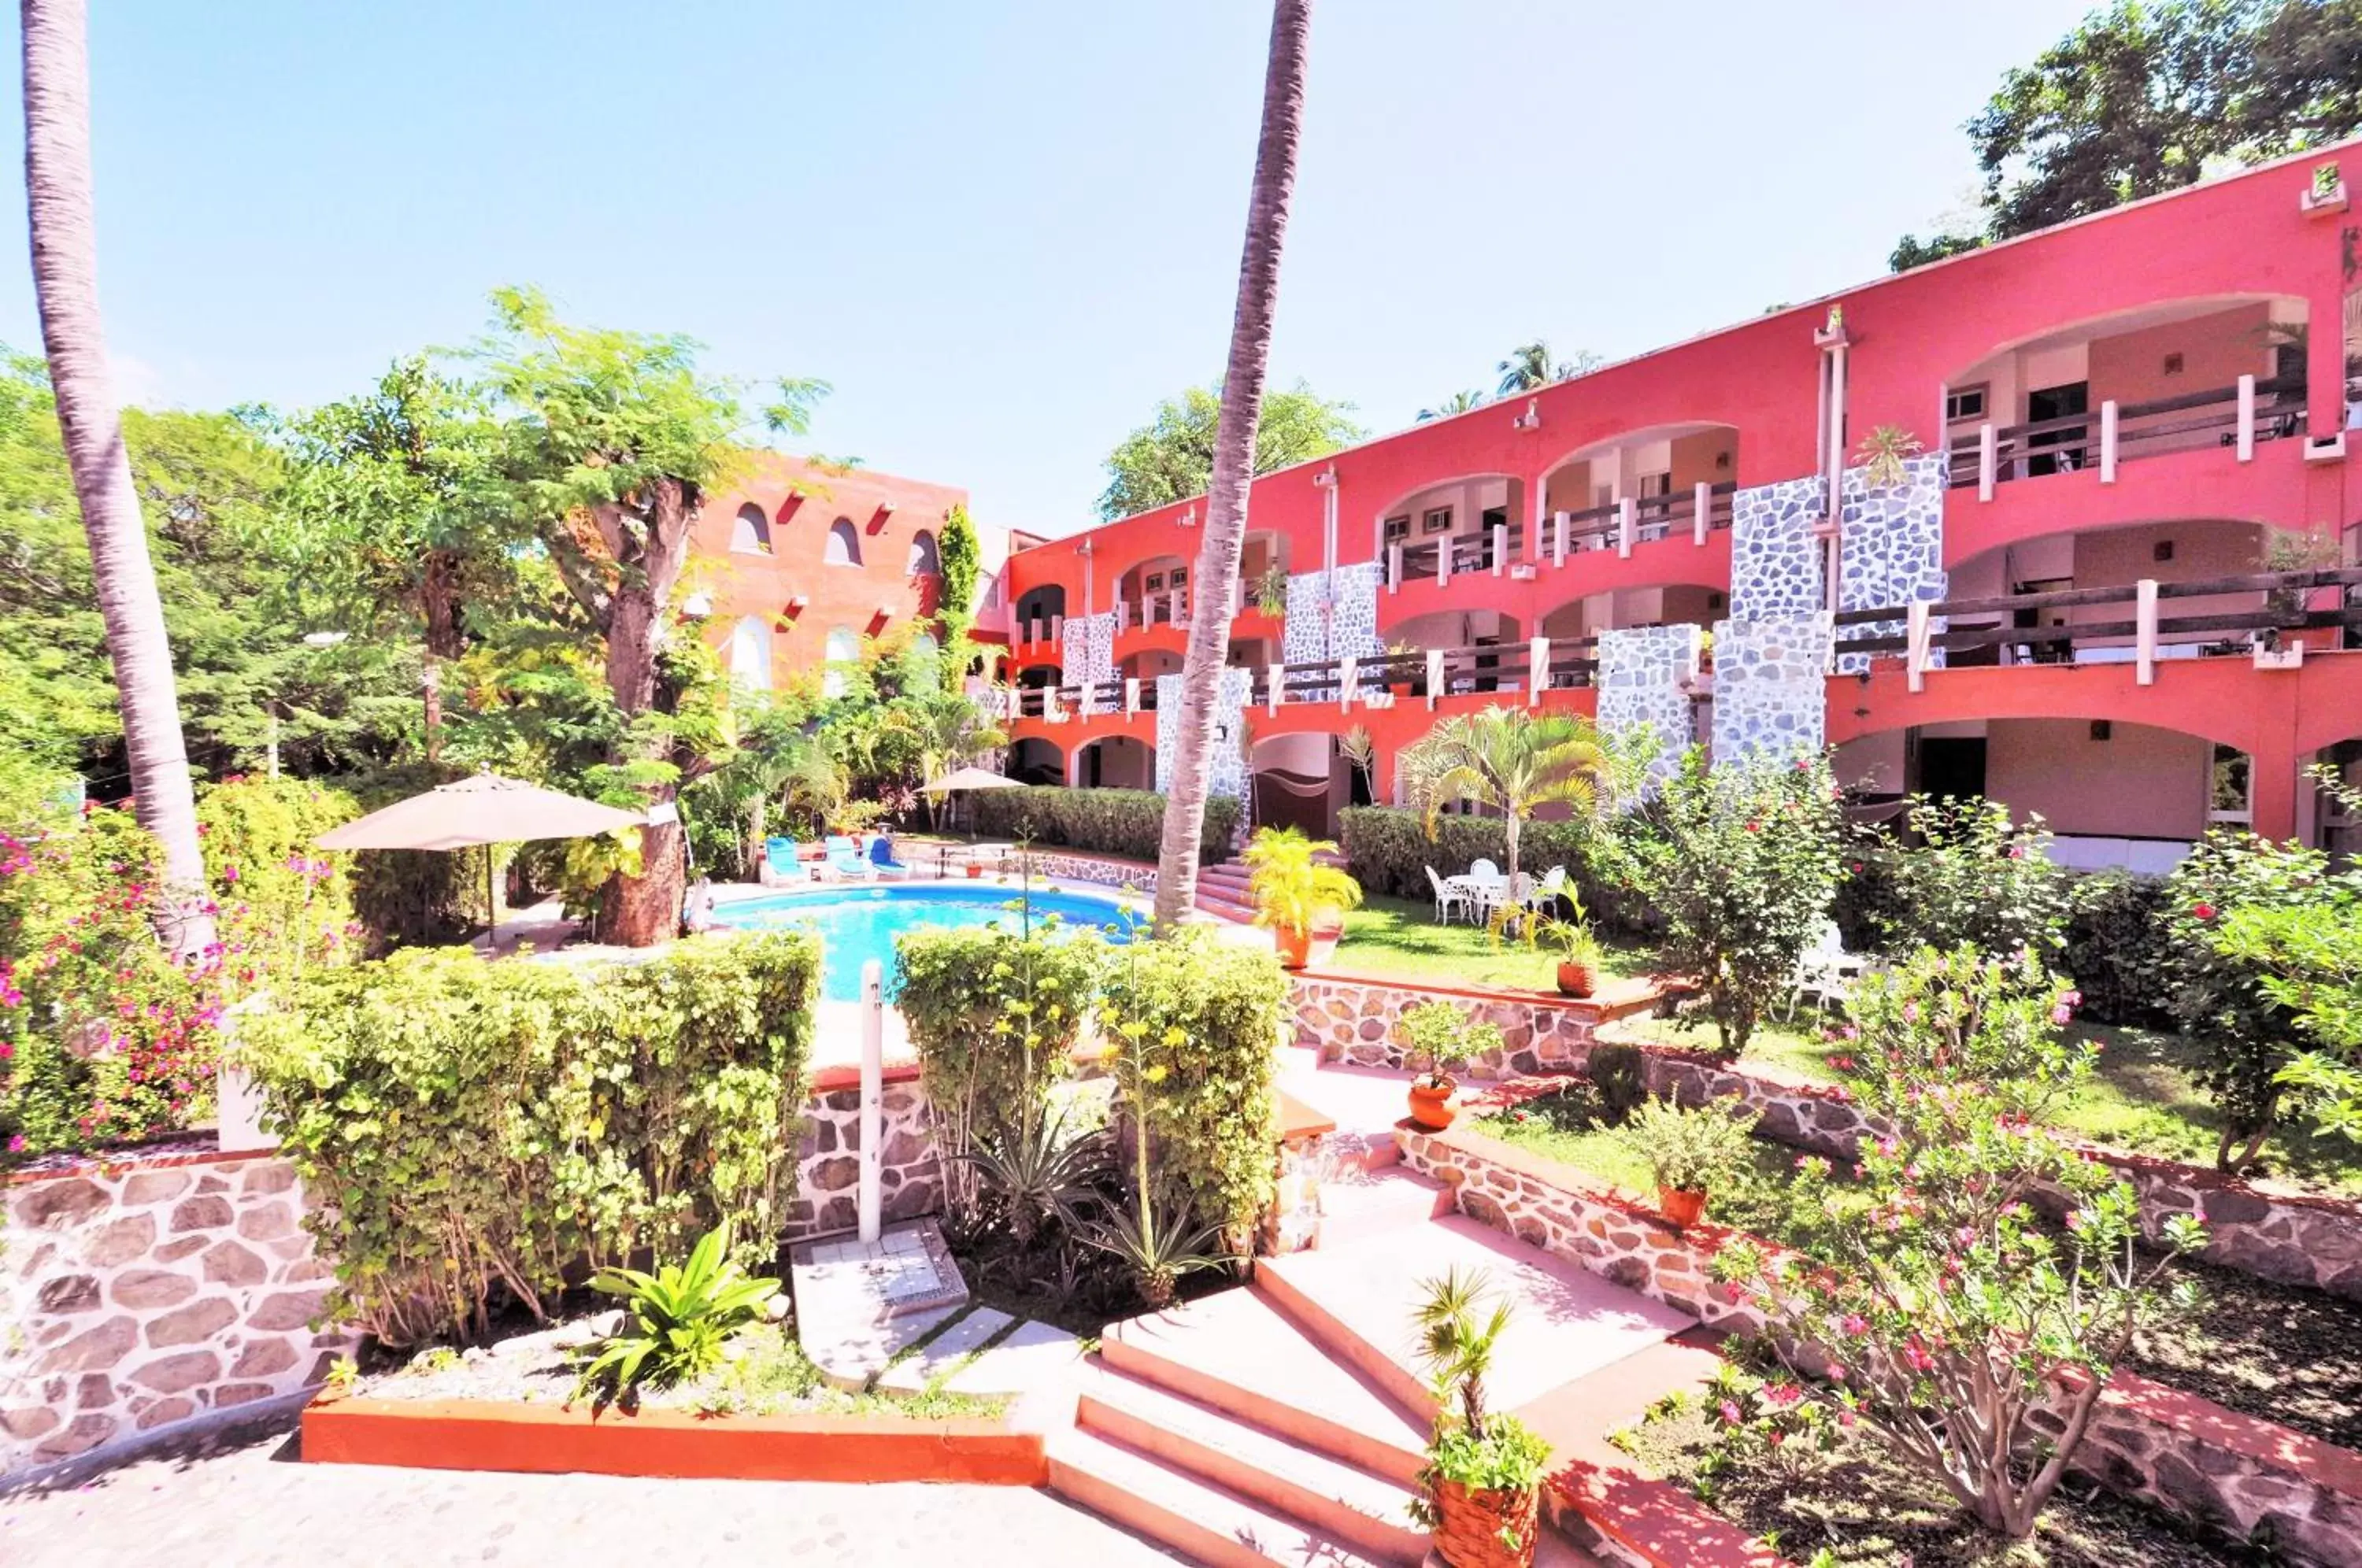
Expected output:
{"points": [[2110, 583]]}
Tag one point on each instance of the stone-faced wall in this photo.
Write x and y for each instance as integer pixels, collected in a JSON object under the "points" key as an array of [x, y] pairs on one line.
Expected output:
{"points": [[1770, 685], [1089, 649], [828, 1155], [1070, 867], [1227, 775], [1775, 562], [1333, 614], [1353, 1021], [1644, 679], [2186, 1454], [135, 1295], [1892, 548]]}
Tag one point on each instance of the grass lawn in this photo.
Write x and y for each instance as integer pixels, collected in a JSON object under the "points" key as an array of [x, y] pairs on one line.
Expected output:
{"points": [[1397, 939]]}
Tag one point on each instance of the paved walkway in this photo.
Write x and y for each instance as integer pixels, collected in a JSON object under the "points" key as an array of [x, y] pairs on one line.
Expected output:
{"points": [[239, 1500]]}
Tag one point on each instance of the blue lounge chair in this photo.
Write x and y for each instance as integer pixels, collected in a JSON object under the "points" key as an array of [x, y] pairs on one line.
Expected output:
{"points": [[781, 868], [882, 859], [844, 860]]}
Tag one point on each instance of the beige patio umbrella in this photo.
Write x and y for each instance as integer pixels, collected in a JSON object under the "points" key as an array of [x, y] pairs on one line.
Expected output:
{"points": [[965, 778], [485, 809]]}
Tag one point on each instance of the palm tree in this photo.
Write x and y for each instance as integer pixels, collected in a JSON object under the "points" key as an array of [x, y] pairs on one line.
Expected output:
{"points": [[65, 280], [1234, 447], [1510, 759], [1529, 366], [1458, 402], [945, 730]]}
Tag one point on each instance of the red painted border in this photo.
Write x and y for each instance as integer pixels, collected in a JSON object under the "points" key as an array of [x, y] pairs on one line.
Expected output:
{"points": [[482, 1434], [106, 1167], [1656, 1522], [1623, 996]]}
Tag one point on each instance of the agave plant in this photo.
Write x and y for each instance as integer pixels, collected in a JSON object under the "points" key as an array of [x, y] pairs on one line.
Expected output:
{"points": [[1158, 1240], [1040, 1167], [677, 1321]]}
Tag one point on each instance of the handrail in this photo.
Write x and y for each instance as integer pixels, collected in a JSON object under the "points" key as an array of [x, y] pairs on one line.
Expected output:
{"points": [[2064, 598], [2273, 611]]}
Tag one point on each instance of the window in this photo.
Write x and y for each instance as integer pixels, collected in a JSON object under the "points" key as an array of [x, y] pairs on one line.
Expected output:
{"points": [[1964, 402], [843, 647], [1178, 576], [1153, 582], [750, 532], [750, 654], [2229, 788], [1654, 485], [844, 544], [1437, 521], [924, 562], [1397, 530]]}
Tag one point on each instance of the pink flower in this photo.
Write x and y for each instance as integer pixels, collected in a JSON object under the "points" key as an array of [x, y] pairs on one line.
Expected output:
{"points": [[1783, 1394], [1845, 1417], [1920, 1359], [2203, 911], [1854, 1325], [16, 1144], [1730, 1413], [2061, 1013]]}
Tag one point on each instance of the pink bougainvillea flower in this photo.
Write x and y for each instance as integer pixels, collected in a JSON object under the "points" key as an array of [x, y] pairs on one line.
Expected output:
{"points": [[1920, 1359], [2203, 911], [1730, 1413], [2061, 1014]]}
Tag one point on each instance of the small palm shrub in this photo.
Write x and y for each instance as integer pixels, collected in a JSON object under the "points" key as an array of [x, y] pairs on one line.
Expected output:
{"points": [[1292, 889], [678, 1321], [1483, 1470]]}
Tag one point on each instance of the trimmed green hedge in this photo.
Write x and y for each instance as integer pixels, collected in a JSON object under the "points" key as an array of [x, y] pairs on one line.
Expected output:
{"points": [[479, 1133], [1128, 823], [1387, 850]]}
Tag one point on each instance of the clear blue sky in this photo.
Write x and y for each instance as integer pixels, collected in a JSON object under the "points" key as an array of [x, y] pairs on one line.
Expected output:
{"points": [[1002, 230]]}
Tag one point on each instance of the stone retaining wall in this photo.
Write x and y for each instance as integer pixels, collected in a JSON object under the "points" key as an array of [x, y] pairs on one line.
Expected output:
{"points": [[141, 1294], [1353, 1021], [1074, 866], [2293, 1238], [2177, 1451], [828, 1155]]}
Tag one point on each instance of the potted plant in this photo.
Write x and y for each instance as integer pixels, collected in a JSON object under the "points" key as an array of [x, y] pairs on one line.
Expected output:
{"points": [[1300, 898], [1481, 1484], [1885, 456], [1689, 1152], [1443, 1040], [1269, 590], [1579, 954]]}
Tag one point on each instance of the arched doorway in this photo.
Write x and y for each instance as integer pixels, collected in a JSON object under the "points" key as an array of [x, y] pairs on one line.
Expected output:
{"points": [[1036, 761], [1116, 762], [1299, 781]]}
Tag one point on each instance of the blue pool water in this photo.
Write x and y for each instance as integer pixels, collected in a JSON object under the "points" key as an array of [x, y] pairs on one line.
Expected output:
{"points": [[857, 925]]}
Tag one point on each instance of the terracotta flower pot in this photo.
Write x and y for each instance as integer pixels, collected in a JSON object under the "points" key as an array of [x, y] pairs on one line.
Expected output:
{"points": [[1430, 1104], [974, 870], [1682, 1208], [1295, 946], [1469, 1534], [1576, 979]]}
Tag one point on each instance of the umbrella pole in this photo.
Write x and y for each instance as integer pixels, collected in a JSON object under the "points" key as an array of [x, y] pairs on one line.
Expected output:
{"points": [[492, 909]]}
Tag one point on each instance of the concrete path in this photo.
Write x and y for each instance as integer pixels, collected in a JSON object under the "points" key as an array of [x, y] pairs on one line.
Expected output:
{"points": [[237, 1500]]}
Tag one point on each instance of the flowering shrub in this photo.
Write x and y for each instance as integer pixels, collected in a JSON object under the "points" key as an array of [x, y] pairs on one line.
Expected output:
{"points": [[104, 1038], [1947, 1319], [1973, 877], [1748, 857]]}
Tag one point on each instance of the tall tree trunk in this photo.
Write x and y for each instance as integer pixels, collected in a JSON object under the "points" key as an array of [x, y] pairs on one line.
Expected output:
{"points": [[1217, 579], [642, 910], [65, 278], [439, 595]]}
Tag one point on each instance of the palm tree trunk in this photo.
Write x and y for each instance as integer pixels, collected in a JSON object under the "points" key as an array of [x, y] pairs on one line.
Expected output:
{"points": [[65, 278], [1234, 443]]}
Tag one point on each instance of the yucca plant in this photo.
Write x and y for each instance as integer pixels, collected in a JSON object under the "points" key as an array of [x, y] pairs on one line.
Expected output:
{"points": [[1292, 889], [1040, 1167], [1158, 1240], [679, 1321]]}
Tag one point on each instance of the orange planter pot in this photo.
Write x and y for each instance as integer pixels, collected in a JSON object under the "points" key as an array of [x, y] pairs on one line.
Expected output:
{"points": [[1469, 1534], [1432, 1106], [1577, 981], [1683, 1209]]}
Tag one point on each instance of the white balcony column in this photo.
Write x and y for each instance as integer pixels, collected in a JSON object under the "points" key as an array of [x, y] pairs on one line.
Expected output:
{"points": [[1349, 677], [1272, 676], [1394, 567], [1537, 669], [1701, 511], [1444, 558], [2144, 631], [1500, 547], [1434, 677], [2247, 418], [1915, 646], [1628, 525], [1988, 460], [1558, 550], [1057, 627], [1131, 694], [2108, 441]]}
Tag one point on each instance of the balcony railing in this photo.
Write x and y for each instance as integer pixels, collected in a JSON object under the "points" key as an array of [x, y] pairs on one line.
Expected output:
{"points": [[2236, 417], [2144, 631], [1617, 527]]}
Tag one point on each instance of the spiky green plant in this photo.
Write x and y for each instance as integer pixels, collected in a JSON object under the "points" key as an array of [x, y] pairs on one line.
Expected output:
{"points": [[1292, 887], [677, 1319]]}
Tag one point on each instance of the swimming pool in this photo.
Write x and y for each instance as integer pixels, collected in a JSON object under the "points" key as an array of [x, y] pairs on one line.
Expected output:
{"points": [[858, 924]]}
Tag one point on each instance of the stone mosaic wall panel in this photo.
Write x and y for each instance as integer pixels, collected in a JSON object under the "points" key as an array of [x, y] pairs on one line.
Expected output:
{"points": [[1770, 689], [1775, 563], [1892, 550], [828, 1161], [1227, 775], [138, 1294], [1089, 649], [1641, 676], [1352, 626], [1353, 1021]]}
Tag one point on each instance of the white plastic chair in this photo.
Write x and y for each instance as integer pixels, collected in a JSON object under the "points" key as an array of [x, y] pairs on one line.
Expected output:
{"points": [[1448, 899], [1826, 971], [1483, 870], [1546, 892]]}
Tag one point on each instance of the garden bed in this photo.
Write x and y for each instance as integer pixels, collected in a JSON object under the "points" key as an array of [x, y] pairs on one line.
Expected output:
{"points": [[2280, 1352], [767, 1414]]}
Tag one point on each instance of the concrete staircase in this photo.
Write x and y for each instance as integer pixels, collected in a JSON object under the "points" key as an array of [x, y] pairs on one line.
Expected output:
{"points": [[1285, 1422], [1222, 890]]}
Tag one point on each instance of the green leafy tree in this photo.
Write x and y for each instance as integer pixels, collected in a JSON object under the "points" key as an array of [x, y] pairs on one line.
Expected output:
{"points": [[612, 441], [1745, 861], [1509, 760], [960, 555], [1530, 365], [1947, 1321], [1171, 457]]}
